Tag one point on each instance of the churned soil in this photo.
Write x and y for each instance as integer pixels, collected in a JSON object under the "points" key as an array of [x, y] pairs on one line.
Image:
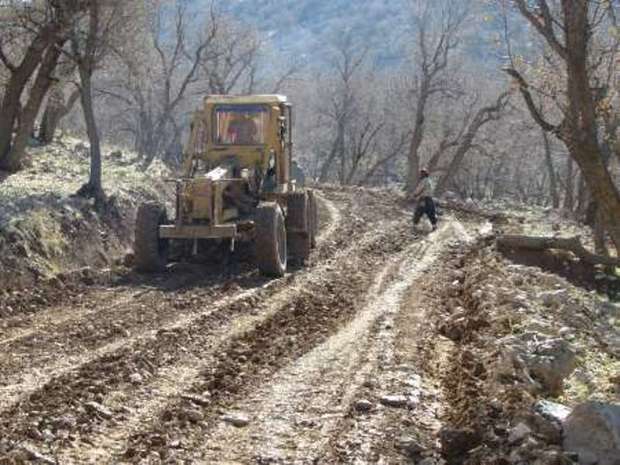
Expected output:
{"points": [[357, 357]]}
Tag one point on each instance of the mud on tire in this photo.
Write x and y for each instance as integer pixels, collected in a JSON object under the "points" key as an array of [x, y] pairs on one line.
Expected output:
{"points": [[270, 242], [298, 226], [151, 252]]}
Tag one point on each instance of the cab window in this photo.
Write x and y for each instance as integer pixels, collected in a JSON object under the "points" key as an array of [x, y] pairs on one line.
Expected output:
{"points": [[240, 124]]}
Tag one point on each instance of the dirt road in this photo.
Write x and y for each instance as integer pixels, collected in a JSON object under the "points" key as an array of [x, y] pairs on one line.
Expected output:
{"points": [[214, 364]]}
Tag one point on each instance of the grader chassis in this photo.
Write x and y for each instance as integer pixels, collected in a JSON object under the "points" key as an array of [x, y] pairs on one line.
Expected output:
{"points": [[236, 187]]}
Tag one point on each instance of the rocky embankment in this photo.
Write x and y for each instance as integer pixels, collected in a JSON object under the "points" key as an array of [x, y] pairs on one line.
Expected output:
{"points": [[533, 371]]}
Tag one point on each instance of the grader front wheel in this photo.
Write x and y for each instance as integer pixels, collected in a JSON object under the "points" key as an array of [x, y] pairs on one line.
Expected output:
{"points": [[151, 252], [271, 244]]}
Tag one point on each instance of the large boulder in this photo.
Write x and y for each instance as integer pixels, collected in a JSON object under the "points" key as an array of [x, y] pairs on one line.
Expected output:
{"points": [[592, 431]]}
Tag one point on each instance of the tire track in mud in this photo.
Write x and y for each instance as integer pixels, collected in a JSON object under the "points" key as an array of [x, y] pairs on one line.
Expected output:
{"points": [[67, 392], [300, 411], [251, 356], [373, 436], [53, 342], [28, 361]]}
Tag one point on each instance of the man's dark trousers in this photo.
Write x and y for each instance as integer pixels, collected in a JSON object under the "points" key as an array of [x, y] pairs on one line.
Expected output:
{"points": [[425, 206]]}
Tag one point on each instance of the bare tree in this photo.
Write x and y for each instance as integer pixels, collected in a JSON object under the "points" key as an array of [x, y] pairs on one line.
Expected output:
{"points": [[91, 39], [482, 117], [43, 28], [568, 31], [232, 62], [156, 78], [438, 25], [348, 61]]}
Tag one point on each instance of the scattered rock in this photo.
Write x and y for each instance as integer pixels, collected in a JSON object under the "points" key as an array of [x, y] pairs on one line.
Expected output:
{"points": [[136, 378], [455, 326], [36, 456], [35, 434], [394, 401], [410, 446], [198, 400], [551, 362], [526, 452], [554, 298], [236, 419], [573, 314], [455, 443], [545, 428], [553, 457], [592, 431], [519, 433], [363, 405], [552, 410], [98, 409], [64, 422], [430, 461], [193, 415]]}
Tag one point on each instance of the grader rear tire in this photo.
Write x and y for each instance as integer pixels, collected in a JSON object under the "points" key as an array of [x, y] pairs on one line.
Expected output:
{"points": [[270, 243], [151, 252], [298, 226], [313, 218]]}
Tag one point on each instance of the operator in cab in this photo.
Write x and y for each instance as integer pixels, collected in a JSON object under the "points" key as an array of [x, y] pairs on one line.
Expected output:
{"points": [[243, 130]]}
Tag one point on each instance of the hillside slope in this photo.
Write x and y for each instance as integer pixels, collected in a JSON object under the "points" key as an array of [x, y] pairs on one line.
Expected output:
{"points": [[46, 231]]}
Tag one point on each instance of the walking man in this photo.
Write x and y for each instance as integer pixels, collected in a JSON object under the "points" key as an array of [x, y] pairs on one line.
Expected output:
{"points": [[424, 200]]}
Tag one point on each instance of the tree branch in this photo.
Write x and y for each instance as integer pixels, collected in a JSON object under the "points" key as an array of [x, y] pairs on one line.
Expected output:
{"points": [[529, 101]]}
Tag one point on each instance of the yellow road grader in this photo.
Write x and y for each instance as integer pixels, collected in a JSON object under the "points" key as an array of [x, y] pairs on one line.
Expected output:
{"points": [[236, 186]]}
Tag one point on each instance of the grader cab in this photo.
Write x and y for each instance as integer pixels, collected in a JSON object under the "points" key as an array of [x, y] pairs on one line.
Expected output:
{"points": [[236, 186]]}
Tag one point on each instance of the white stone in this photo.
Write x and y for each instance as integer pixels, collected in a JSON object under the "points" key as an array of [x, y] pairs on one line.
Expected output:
{"points": [[394, 401], [236, 419]]}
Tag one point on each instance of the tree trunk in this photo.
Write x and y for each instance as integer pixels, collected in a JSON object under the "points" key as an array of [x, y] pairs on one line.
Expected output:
{"points": [[583, 199], [413, 165], [572, 244], [50, 120], [600, 247], [569, 196], [13, 161], [9, 109], [553, 184], [55, 110], [94, 187], [582, 134], [10, 105]]}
